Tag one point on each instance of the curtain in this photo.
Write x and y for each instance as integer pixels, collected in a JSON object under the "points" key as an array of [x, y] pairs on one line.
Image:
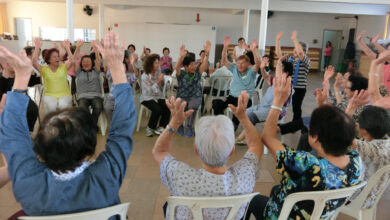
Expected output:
{"points": [[386, 32], [3, 18]]}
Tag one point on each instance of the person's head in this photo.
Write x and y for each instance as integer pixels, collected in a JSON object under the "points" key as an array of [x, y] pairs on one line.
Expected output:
{"points": [[243, 63], [288, 68], [373, 122], [52, 57], [43, 53], [131, 48], [65, 139], [147, 51], [241, 41], [214, 140], [328, 44], [189, 63], [249, 54], [350, 72], [29, 51], [331, 130], [86, 63], [126, 60], [166, 51], [355, 83], [152, 63], [202, 54], [305, 48]]}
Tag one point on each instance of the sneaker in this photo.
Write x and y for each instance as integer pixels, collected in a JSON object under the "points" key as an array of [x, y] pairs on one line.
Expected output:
{"points": [[189, 132], [158, 131], [149, 132], [241, 142], [180, 130]]}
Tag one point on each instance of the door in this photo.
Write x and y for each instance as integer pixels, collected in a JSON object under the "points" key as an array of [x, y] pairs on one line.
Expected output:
{"points": [[335, 37], [23, 30]]}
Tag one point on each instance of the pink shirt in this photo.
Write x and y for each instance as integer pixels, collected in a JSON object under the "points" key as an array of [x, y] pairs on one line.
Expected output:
{"points": [[164, 62], [328, 51], [386, 76]]}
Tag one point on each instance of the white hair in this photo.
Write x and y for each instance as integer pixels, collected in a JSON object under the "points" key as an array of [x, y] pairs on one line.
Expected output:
{"points": [[214, 139]]}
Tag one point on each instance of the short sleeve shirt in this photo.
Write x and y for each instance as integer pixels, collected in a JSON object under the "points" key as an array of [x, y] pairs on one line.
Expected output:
{"points": [[303, 70], [303, 171], [183, 180], [56, 84], [189, 85], [242, 82]]}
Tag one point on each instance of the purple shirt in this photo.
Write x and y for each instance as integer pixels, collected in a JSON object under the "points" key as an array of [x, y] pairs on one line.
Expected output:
{"points": [[164, 62]]}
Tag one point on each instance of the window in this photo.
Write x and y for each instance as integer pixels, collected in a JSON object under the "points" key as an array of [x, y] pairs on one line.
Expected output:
{"points": [[60, 34]]}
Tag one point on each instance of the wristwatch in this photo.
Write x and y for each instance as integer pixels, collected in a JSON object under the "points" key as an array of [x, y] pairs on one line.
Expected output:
{"points": [[171, 129], [23, 91]]}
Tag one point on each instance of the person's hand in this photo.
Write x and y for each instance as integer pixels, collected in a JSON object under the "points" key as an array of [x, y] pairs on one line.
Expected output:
{"points": [[226, 41], [264, 62], [338, 80], [240, 110], [322, 94], [37, 43], [253, 45], [183, 51], [2, 103], [178, 115], [65, 44], [384, 56], [358, 99], [207, 47], [375, 39], [160, 78], [279, 35], [80, 43], [359, 38], [132, 59], [294, 35], [383, 103], [282, 89], [329, 72]]}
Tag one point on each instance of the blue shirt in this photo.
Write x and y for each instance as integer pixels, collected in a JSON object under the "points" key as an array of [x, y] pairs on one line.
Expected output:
{"points": [[242, 82], [35, 186]]}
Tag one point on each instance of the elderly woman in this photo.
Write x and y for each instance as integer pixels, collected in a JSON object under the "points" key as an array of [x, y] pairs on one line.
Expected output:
{"points": [[214, 144], [54, 174]]}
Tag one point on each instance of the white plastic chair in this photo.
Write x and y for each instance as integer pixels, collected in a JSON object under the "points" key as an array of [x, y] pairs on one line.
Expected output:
{"points": [[223, 83], [196, 204], [99, 214], [319, 197], [102, 120], [259, 89], [355, 209]]}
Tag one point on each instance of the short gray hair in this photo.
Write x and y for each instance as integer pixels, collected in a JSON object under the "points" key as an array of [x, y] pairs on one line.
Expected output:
{"points": [[214, 139]]}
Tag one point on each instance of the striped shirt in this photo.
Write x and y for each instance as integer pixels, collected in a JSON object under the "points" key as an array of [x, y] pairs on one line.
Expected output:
{"points": [[303, 71]]}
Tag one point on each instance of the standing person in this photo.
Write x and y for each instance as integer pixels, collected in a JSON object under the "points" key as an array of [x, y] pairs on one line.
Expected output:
{"points": [[327, 53], [189, 85], [301, 63], [240, 49], [244, 78], [166, 62], [152, 83], [54, 75]]}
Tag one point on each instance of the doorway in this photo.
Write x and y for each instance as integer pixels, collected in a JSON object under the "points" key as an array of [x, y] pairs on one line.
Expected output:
{"points": [[23, 29], [335, 37]]}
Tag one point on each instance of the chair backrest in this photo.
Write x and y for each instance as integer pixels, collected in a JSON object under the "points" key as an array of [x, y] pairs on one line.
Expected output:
{"points": [[371, 184], [221, 84], [319, 198], [197, 204], [102, 83], [260, 84], [99, 214]]}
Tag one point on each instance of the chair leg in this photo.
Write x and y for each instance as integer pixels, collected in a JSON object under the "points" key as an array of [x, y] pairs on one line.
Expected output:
{"points": [[103, 123], [140, 117], [368, 214]]}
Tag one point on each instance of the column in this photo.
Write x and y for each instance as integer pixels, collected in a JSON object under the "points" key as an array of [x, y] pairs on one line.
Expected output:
{"points": [[263, 25], [245, 30], [101, 21], [70, 20]]}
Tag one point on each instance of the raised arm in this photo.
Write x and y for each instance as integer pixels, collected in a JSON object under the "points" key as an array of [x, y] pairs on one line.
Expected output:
{"points": [[377, 46], [98, 60], [234, 54], [76, 56], [143, 54], [364, 47], [132, 63], [178, 116], [205, 62], [66, 46], [179, 62], [278, 50], [226, 43], [264, 62], [252, 137], [256, 56], [297, 45], [282, 90], [37, 51], [358, 99], [373, 77]]}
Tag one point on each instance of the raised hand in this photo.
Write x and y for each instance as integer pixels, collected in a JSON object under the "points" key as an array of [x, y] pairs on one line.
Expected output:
{"points": [[240, 110], [253, 45], [329, 72], [132, 59], [183, 51], [207, 47], [178, 115], [338, 80], [160, 78], [375, 39], [282, 89], [37, 43], [358, 99], [294, 35], [80, 43], [264, 62], [226, 41], [65, 44], [359, 38], [383, 103], [279, 35]]}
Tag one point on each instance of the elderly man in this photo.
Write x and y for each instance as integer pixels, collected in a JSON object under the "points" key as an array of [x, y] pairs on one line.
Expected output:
{"points": [[214, 144]]}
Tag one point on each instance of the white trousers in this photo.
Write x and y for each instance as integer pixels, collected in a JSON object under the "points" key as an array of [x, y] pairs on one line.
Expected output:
{"points": [[53, 104]]}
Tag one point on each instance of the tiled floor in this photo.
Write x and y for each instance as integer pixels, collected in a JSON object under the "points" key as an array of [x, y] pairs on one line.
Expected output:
{"points": [[142, 187]]}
